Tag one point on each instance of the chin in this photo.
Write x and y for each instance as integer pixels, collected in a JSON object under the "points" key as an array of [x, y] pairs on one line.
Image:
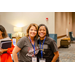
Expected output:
{"points": [[42, 36], [32, 36]]}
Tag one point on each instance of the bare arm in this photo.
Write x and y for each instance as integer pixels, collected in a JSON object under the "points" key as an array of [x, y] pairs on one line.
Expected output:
{"points": [[15, 51], [56, 55], [4, 50]]}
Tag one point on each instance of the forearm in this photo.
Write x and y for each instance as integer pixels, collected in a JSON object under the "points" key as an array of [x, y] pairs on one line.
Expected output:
{"points": [[15, 57], [15, 51], [4, 50], [55, 56]]}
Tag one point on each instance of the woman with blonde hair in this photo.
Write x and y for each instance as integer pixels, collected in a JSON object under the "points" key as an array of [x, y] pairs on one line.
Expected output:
{"points": [[27, 46]]}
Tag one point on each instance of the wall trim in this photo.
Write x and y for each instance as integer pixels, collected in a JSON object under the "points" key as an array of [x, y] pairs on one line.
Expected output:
{"points": [[58, 37]]}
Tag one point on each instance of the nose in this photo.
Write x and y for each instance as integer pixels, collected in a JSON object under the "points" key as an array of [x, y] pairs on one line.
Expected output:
{"points": [[33, 31], [41, 31]]}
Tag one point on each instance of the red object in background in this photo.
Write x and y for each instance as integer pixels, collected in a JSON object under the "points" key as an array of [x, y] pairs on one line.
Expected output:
{"points": [[47, 19]]}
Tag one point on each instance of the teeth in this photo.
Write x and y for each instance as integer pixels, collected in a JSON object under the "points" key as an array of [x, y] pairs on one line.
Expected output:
{"points": [[32, 33], [41, 34]]}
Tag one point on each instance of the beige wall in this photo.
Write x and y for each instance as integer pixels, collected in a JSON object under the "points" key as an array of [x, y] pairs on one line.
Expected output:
{"points": [[73, 21], [10, 19], [63, 23], [0, 17]]}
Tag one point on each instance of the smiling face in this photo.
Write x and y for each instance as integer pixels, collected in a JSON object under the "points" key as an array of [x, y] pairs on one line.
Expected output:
{"points": [[32, 31], [42, 32]]}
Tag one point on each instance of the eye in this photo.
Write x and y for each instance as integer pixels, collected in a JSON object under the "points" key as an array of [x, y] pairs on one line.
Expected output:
{"points": [[31, 29], [44, 30], [39, 29]]}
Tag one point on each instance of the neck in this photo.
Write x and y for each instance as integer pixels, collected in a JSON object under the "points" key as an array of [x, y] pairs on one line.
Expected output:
{"points": [[32, 38], [42, 38]]}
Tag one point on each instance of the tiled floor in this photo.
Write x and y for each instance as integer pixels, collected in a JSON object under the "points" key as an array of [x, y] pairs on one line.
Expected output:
{"points": [[67, 54]]}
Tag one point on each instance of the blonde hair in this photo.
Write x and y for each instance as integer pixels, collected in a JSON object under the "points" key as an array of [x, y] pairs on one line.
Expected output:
{"points": [[36, 26]]}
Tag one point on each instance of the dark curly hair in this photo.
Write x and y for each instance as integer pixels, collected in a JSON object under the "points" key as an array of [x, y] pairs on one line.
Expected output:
{"points": [[2, 29]]}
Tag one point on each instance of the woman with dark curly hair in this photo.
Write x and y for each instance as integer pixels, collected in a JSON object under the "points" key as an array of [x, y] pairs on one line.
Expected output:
{"points": [[5, 54], [48, 48]]}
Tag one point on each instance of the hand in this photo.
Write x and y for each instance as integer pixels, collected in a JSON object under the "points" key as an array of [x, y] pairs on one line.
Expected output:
{"points": [[1, 52]]}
